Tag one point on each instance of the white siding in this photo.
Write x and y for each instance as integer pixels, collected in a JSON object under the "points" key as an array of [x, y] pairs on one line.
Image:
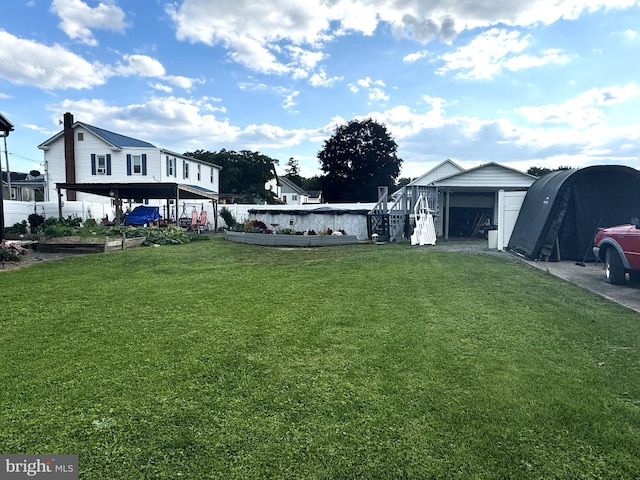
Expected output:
{"points": [[488, 176], [155, 166], [443, 170]]}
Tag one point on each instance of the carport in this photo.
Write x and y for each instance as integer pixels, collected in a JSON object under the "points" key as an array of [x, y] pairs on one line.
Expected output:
{"points": [[563, 209], [163, 191]]}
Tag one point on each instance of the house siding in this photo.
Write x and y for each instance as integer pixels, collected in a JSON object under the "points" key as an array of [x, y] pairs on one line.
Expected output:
{"points": [[120, 168], [488, 177]]}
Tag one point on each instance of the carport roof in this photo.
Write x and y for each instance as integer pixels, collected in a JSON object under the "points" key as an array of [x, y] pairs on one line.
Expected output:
{"points": [[142, 190]]}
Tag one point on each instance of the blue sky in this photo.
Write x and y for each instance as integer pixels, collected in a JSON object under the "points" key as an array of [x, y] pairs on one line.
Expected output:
{"points": [[537, 83]]}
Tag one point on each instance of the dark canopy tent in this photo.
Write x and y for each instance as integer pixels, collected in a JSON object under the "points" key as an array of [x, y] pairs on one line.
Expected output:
{"points": [[563, 209]]}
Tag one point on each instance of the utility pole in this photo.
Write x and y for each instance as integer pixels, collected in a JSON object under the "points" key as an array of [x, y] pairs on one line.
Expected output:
{"points": [[5, 128]]}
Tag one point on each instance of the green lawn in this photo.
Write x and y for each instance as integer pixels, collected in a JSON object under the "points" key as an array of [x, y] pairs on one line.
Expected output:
{"points": [[219, 360]]}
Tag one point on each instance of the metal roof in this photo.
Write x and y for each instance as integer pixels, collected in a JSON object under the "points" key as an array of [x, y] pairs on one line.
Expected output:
{"points": [[115, 139], [5, 125]]}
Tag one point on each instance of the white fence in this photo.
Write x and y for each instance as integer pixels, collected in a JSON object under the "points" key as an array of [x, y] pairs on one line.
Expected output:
{"points": [[16, 212]]}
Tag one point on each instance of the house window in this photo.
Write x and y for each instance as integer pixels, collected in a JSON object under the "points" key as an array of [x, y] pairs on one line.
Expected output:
{"points": [[14, 193], [211, 175], [80, 136], [185, 170], [284, 198], [294, 197], [136, 162], [101, 164], [170, 166], [199, 173]]}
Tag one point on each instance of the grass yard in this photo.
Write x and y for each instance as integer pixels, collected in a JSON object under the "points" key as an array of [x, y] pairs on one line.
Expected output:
{"points": [[219, 360]]}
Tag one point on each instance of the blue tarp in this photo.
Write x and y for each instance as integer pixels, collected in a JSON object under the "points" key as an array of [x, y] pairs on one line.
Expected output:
{"points": [[142, 215]]}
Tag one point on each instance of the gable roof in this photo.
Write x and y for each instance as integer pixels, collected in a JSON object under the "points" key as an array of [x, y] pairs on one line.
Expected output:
{"points": [[291, 185], [489, 175], [114, 139], [5, 125], [15, 176], [444, 169]]}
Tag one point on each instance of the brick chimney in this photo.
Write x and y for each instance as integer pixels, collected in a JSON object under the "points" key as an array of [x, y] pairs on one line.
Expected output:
{"points": [[69, 154]]}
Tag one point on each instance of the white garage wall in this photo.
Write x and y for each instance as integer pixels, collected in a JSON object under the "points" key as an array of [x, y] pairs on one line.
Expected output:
{"points": [[509, 204]]}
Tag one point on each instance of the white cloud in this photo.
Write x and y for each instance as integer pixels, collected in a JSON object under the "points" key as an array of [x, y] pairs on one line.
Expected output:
{"points": [[583, 111], [321, 80], [631, 34], [268, 37], [188, 120], [367, 82], [378, 95], [140, 65], [182, 82], [77, 19], [161, 87], [414, 57], [31, 63], [493, 51], [290, 100], [26, 62]]}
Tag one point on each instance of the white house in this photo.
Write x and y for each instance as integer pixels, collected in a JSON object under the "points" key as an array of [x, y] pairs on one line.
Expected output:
{"points": [[84, 162], [289, 193]]}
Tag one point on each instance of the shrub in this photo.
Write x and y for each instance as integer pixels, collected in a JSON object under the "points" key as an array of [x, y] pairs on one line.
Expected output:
{"points": [[286, 231], [17, 228], [35, 220], [228, 217], [255, 226], [11, 252]]}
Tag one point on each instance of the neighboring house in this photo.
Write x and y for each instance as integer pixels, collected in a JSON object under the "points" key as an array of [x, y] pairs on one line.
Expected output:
{"points": [[84, 162], [315, 196], [24, 187], [289, 193]]}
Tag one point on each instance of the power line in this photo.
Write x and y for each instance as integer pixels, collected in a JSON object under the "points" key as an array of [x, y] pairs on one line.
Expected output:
{"points": [[25, 158]]}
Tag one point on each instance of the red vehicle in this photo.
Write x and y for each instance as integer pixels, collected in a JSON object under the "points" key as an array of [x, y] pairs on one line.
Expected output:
{"points": [[619, 249]]}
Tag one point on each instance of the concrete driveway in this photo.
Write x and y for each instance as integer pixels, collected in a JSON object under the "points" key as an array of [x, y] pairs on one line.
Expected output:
{"points": [[591, 277]]}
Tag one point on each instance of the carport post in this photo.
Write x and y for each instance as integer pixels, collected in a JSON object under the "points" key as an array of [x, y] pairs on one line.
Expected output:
{"points": [[177, 203], [59, 202], [446, 214]]}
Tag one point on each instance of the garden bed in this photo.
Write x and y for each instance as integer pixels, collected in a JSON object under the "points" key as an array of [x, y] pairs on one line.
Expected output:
{"points": [[78, 244], [275, 240]]}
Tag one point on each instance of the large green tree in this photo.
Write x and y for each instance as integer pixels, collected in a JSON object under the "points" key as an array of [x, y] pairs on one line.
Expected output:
{"points": [[360, 157], [243, 173], [292, 172], [540, 171]]}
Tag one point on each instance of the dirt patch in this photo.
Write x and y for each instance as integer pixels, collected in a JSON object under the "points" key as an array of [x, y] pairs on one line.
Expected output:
{"points": [[32, 257]]}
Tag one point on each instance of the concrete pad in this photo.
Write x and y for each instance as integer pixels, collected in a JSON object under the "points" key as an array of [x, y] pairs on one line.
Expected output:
{"points": [[591, 277]]}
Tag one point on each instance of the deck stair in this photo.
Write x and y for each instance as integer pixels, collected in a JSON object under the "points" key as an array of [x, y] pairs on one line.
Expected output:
{"points": [[390, 218]]}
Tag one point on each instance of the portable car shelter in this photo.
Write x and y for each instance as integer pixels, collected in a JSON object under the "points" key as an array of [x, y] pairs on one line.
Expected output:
{"points": [[562, 211]]}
